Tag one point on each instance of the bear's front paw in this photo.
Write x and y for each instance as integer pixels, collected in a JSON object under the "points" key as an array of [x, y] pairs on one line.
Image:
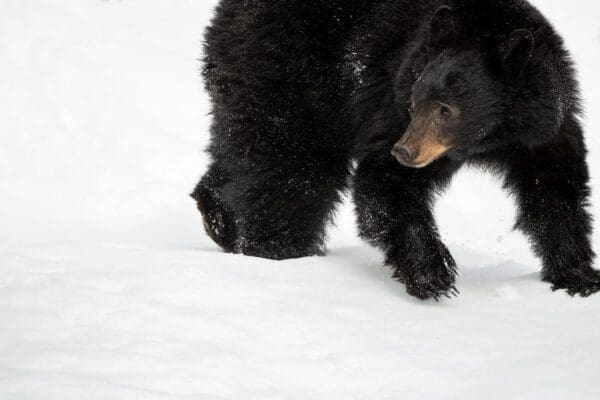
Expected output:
{"points": [[583, 282], [430, 277]]}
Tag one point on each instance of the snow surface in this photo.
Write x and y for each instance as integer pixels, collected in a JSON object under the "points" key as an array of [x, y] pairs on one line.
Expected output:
{"points": [[109, 288]]}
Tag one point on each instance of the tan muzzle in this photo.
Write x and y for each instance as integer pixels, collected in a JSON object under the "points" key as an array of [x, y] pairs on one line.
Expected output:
{"points": [[420, 146]]}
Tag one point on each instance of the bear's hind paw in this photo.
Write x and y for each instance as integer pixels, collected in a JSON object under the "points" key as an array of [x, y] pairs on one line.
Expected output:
{"points": [[217, 218]]}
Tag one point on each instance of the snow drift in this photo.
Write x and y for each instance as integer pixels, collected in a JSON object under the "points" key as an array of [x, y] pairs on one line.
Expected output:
{"points": [[110, 289]]}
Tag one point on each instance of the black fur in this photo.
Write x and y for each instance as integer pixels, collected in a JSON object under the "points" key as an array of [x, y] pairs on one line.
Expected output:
{"points": [[301, 89]]}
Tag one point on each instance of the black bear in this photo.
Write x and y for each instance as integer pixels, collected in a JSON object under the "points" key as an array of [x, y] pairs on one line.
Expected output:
{"points": [[390, 98]]}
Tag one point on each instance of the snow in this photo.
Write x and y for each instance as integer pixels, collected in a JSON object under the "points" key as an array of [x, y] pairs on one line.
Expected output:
{"points": [[109, 288]]}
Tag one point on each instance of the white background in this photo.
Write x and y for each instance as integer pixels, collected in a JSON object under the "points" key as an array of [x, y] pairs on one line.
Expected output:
{"points": [[109, 288]]}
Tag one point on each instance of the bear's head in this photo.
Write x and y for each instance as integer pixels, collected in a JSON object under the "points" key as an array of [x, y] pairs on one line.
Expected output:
{"points": [[458, 101]]}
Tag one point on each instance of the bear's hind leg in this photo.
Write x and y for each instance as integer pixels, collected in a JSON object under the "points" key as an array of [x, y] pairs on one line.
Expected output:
{"points": [[270, 192], [282, 212]]}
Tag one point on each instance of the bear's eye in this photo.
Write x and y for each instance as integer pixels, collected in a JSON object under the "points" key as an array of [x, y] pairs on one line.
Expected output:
{"points": [[445, 111]]}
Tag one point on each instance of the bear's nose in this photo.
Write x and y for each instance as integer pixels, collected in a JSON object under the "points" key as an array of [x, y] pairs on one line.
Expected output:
{"points": [[403, 154]]}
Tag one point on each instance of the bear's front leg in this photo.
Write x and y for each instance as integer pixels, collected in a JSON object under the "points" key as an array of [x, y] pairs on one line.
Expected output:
{"points": [[423, 263], [393, 206], [551, 185]]}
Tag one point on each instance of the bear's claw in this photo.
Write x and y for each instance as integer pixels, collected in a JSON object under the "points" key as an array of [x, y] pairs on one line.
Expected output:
{"points": [[432, 292], [581, 282]]}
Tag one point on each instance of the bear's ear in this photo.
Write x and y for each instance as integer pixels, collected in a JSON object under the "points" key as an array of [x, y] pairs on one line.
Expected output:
{"points": [[516, 51], [442, 28]]}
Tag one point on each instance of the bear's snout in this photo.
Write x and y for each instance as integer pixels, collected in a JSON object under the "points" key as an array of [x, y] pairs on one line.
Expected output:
{"points": [[403, 154], [420, 146]]}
